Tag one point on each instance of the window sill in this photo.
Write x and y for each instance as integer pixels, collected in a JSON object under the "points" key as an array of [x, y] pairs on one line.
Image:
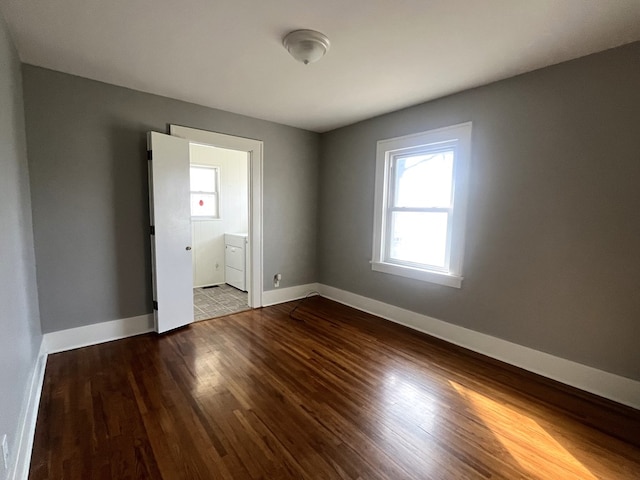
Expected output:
{"points": [[431, 276]]}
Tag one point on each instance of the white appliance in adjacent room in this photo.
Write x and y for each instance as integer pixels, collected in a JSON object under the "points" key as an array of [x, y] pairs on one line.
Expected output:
{"points": [[235, 260]]}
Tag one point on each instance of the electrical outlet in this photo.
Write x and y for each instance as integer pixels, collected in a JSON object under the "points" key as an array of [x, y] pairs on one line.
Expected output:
{"points": [[276, 279], [5, 452]]}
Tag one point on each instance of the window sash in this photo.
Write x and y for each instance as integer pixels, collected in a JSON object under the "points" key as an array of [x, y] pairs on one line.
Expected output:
{"points": [[389, 235], [391, 189], [420, 150], [214, 192]]}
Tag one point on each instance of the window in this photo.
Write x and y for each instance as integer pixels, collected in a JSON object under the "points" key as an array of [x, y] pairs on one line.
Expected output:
{"points": [[205, 182], [420, 205]]}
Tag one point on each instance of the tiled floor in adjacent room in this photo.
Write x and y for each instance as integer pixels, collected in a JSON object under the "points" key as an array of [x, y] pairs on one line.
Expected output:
{"points": [[218, 301]]}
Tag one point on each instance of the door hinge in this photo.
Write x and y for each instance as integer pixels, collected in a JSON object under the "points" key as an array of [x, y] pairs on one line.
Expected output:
{"points": [[152, 230], [155, 305], [149, 155]]}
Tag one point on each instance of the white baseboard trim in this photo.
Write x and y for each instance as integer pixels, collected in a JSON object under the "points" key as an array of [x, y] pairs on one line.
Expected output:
{"points": [[97, 333], [29, 418], [608, 385], [281, 295]]}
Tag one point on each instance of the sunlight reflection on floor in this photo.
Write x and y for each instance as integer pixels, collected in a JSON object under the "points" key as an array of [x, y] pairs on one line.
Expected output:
{"points": [[412, 400], [509, 426], [404, 400]]}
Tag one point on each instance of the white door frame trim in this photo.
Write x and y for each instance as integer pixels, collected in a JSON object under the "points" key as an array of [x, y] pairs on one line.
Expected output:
{"points": [[254, 148]]}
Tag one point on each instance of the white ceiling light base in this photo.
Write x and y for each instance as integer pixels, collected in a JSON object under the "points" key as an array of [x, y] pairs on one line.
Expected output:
{"points": [[306, 46]]}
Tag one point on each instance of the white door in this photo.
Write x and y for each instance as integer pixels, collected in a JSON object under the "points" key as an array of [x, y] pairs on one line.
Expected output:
{"points": [[170, 214]]}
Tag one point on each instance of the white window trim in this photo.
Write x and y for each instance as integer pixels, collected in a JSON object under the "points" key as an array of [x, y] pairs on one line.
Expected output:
{"points": [[386, 149]]}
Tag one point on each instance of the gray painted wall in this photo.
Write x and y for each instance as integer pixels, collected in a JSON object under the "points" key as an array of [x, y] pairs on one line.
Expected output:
{"points": [[20, 335], [86, 143], [553, 231]]}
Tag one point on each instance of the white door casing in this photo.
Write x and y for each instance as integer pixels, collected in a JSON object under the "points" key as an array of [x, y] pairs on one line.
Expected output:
{"points": [[254, 150], [171, 240]]}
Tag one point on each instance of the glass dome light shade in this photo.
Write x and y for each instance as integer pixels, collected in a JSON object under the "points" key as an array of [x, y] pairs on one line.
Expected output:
{"points": [[306, 46]]}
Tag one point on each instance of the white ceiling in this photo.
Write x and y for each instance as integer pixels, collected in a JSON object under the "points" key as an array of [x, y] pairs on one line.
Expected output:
{"points": [[385, 54]]}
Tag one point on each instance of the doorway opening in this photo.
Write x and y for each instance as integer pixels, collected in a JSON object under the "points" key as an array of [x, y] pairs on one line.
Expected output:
{"points": [[219, 199], [227, 260]]}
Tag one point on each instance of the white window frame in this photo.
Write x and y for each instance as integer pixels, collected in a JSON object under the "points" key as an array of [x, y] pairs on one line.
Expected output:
{"points": [[456, 136], [207, 192]]}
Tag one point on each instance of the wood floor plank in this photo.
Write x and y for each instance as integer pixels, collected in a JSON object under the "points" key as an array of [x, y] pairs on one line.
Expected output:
{"points": [[327, 393]]}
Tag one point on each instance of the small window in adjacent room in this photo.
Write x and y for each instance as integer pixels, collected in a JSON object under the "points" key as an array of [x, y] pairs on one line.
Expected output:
{"points": [[205, 201], [420, 204]]}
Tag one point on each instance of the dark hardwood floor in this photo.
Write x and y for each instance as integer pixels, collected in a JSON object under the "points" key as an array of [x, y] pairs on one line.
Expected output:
{"points": [[331, 393]]}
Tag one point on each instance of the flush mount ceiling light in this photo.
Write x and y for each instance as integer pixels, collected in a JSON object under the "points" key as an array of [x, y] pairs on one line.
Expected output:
{"points": [[306, 46]]}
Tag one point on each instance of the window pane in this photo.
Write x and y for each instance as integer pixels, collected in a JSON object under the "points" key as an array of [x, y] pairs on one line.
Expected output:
{"points": [[419, 237], [203, 179], [204, 205], [424, 180]]}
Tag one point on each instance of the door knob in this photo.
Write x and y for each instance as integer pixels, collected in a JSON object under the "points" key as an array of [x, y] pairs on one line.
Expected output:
{"points": [[188, 248]]}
